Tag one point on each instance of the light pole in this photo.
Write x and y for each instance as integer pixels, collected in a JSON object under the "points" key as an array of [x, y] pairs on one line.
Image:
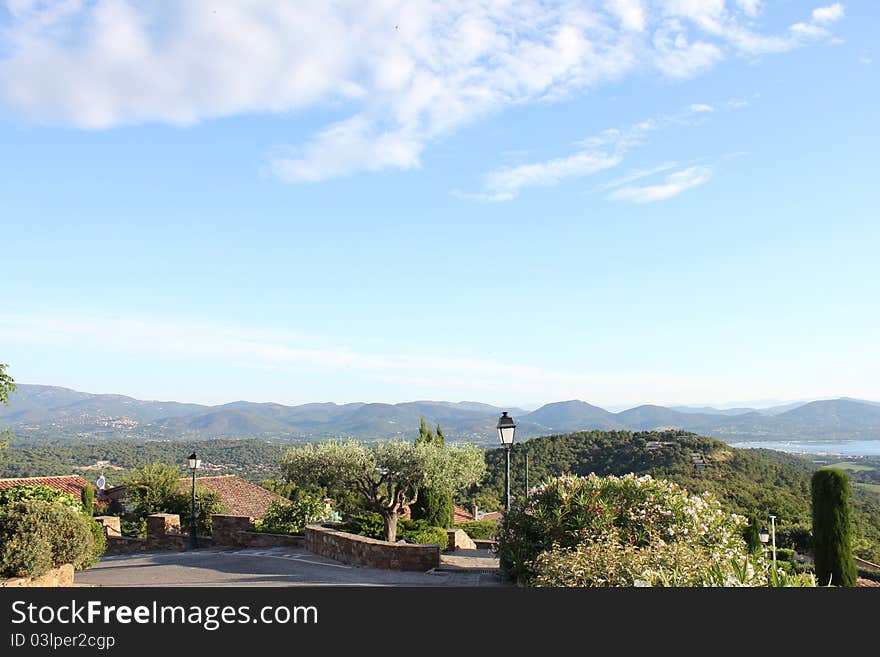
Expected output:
{"points": [[506, 430], [194, 463], [773, 535]]}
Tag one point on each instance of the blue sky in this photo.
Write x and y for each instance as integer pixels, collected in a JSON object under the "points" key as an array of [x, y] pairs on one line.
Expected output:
{"points": [[623, 202]]}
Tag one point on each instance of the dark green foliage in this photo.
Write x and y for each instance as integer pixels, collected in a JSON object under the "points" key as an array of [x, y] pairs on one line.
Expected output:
{"points": [[368, 524], [422, 533], [156, 488], [433, 506], [752, 534], [208, 503], [87, 500], [36, 535], [479, 529], [798, 537], [291, 517], [784, 554], [832, 540]]}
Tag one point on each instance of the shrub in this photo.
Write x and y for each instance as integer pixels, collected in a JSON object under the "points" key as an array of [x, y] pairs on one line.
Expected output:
{"points": [[422, 533], [367, 524], [569, 511], [608, 561], [291, 517], [796, 536], [208, 503], [38, 492], [36, 535], [832, 541], [784, 554], [479, 529]]}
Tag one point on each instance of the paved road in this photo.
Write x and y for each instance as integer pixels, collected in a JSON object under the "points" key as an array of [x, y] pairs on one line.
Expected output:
{"points": [[258, 567]]}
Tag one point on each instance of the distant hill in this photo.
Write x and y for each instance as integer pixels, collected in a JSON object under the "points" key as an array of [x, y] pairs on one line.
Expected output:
{"points": [[53, 415]]}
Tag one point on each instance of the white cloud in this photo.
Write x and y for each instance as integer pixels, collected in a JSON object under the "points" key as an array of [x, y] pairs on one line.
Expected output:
{"points": [[750, 8], [829, 14], [600, 152], [400, 73], [673, 185]]}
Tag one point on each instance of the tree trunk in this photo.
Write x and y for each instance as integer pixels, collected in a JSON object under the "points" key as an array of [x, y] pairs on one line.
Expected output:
{"points": [[390, 518]]}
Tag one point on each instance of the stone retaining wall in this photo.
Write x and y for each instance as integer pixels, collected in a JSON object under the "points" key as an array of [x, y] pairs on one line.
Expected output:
{"points": [[61, 576], [238, 531], [370, 552]]}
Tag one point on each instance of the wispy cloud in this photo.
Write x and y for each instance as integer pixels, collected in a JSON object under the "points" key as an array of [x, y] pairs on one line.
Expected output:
{"points": [[603, 151], [673, 184], [252, 356], [403, 74]]}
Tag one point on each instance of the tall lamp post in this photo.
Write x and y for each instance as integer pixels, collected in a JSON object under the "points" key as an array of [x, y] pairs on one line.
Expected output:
{"points": [[194, 462], [765, 534], [506, 430], [773, 536]]}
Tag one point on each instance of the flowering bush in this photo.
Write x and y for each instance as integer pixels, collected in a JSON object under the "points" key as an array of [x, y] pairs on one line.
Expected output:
{"points": [[609, 562], [621, 516], [291, 516]]}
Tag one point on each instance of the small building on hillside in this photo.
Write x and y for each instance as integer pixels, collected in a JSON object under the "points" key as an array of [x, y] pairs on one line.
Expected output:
{"points": [[462, 515], [238, 496], [70, 484]]}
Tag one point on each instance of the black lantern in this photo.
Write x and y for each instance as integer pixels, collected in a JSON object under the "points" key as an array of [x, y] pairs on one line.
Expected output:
{"points": [[506, 430]]}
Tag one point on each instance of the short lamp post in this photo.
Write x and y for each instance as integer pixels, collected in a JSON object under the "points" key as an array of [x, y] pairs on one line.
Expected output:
{"points": [[506, 431], [193, 462]]}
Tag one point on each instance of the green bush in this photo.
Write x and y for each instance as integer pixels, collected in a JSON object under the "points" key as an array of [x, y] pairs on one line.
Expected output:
{"points": [[291, 517], [421, 533], [38, 492], [784, 554], [367, 524], [208, 503], [570, 511], [36, 535], [479, 529], [797, 536]]}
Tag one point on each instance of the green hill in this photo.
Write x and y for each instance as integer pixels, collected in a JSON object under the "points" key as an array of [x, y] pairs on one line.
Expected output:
{"points": [[749, 481]]}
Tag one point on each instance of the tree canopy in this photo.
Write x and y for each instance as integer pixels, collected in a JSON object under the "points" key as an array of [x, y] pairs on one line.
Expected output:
{"points": [[387, 475]]}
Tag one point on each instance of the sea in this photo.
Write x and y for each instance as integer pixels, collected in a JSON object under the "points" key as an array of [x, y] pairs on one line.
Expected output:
{"points": [[843, 447]]}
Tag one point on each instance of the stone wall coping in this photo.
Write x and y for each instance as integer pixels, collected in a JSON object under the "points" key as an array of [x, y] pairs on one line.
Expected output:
{"points": [[372, 541]]}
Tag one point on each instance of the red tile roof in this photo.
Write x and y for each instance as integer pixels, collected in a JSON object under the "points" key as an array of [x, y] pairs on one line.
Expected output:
{"points": [[239, 497], [71, 484], [459, 515]]}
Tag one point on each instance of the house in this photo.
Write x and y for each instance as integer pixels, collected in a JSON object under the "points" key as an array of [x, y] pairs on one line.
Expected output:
{"points": [[70, 484], [461, 515], [238, 496]]}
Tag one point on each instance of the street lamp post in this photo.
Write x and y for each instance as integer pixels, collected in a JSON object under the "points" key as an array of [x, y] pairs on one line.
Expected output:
{"points": [[193, 462], [773, 535], [506, 431]]}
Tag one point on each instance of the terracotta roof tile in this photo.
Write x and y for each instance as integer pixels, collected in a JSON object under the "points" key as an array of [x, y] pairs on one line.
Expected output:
{"points": [[71, 484], [239, 496]]}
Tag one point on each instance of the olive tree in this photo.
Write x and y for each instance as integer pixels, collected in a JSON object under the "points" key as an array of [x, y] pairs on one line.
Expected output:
{"points": [[387, 475]]}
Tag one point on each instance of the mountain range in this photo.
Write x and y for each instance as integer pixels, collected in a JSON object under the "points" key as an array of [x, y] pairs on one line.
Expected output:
{"points": [[41, 414]]}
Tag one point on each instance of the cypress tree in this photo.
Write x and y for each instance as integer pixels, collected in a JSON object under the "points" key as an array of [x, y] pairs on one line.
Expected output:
{"points": [[832, 542], [752, 534], [87, 500], [433, 506]]}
